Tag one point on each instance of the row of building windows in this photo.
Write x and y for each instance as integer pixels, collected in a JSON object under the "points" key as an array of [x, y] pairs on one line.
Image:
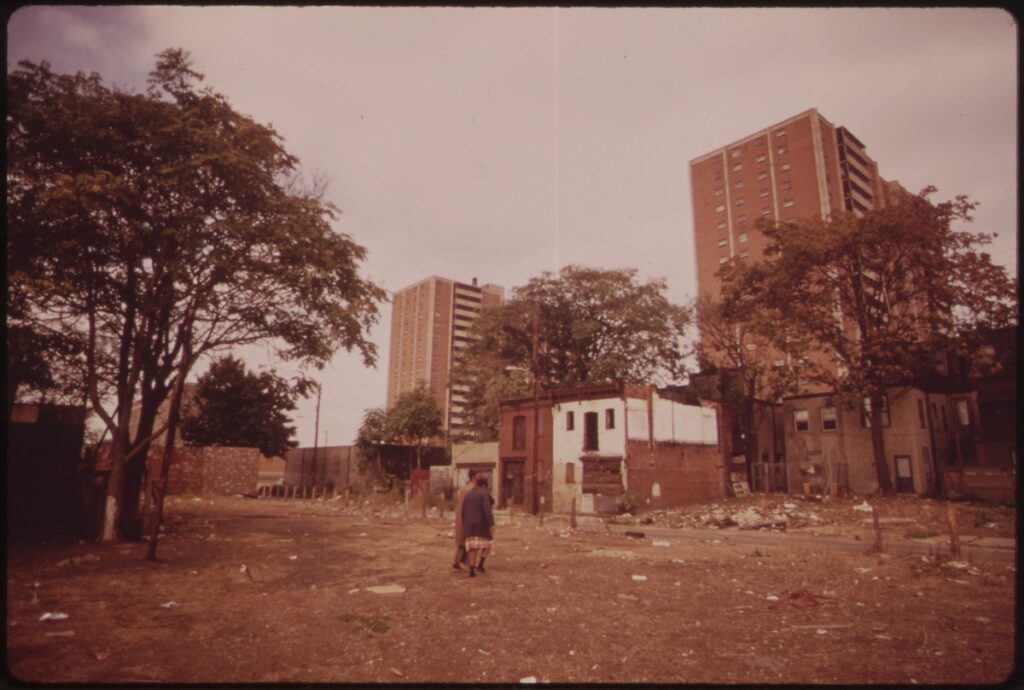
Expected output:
{"points": [[590, 428], [827, 416]]}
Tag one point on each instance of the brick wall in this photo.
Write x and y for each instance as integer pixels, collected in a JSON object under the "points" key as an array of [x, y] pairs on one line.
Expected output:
{"points": [[670, 474], [219, 470]]}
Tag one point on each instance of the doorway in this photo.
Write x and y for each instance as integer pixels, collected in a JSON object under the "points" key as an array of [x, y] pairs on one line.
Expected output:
{"points": [[512, 484], [904, 475]]}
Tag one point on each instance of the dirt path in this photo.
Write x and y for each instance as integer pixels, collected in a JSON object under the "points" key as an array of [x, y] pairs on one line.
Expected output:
{"points": [[555, 605]]}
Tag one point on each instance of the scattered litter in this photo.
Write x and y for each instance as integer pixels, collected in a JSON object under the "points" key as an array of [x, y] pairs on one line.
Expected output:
{"points": [[552, 609], [639, 578], [863, 570], [193, 572], [864, 507], [957, 565], [483, 652], [679, 561], [973, 571], [802, 598], [772, 597], [386, 589], [822, 632], [528, 679], [983, 619], [627, 597], [293, 558], [962, 582], [660, 542], [53, 616], [312, 586], [242, 569], [170, 605], [353, 591], [750, 592], [362, 534], [62, 633], [397, 672], [102, 655]]}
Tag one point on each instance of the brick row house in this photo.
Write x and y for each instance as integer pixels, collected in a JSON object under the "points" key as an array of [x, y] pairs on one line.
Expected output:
{"points": [[936, 443], [596, 444]]}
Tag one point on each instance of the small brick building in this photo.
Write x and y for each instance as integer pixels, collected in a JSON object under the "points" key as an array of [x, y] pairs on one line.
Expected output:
{"points": [[597, 443]]}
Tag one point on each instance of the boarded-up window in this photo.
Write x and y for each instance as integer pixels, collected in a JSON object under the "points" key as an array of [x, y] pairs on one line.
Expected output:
{"points": [[519, 432], [570, 421], [609, 418], [602, 476], [590, 431], [570, 473]]}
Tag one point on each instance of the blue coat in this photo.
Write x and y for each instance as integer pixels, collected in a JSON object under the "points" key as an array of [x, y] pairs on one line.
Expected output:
{"points": [[477, 516]]}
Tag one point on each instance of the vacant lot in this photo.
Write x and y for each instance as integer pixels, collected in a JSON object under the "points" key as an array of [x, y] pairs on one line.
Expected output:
{"points": [[274, 590]]}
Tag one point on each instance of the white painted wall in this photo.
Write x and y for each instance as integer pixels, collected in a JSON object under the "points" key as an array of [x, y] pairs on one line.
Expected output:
{"points": [[568, 447], [673, 422]]}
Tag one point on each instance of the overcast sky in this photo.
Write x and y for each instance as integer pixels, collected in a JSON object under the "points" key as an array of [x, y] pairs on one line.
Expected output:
{"points": [[499, 143]]}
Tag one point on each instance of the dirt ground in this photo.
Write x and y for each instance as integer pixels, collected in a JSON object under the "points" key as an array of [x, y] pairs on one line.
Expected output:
{"points": [[276, 590]]}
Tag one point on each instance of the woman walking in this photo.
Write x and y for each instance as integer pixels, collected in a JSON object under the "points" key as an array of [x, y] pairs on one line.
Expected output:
{"points": [[477, 523], [460, 537]]}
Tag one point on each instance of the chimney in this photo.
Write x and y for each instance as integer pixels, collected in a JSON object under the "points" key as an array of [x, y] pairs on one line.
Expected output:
{"points": [[474, 282]]}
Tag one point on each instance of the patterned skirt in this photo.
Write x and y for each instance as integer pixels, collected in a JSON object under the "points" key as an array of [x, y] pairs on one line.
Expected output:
{"points": [[482, 543]]}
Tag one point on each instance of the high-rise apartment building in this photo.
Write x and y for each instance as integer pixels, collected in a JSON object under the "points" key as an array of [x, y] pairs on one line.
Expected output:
{"points": [[800, 167], [429, 327]]}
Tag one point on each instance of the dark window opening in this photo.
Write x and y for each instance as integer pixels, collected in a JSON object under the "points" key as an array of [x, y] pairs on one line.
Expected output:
{"points": [[590, 431], [609, 419], [570, 421]]}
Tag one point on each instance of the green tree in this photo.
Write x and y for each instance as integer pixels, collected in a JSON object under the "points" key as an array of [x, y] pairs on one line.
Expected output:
{"points": [[879, 295], [163, 227], [415, 420], [373, 433], [593, 325], [737, 346], [235, 407]]}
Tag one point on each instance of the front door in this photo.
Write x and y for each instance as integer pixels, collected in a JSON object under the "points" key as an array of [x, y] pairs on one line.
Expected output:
{"points": [[512, 474], [904, 475]]}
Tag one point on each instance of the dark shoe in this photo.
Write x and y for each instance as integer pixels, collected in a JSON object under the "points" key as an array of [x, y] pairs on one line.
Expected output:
{"points": [[481, 568], [456, 566], [472, 571]]}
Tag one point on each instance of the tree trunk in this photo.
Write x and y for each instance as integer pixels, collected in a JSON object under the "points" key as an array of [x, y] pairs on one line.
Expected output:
{"points": [[173, 415], [878, 446]]}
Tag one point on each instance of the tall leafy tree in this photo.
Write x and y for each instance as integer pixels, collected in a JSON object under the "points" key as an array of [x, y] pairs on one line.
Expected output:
{"points": [[737, 346], [373, 433], [232, 406], [162, 227], [415, 419], [878, 295], [592, 326]]}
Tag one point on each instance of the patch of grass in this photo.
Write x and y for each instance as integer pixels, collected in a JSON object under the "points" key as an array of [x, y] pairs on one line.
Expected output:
{"points": [[371, 623]]}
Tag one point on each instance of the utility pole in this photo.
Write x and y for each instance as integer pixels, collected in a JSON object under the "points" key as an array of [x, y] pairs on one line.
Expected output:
{"points": [[316, 432], [536, 411]]}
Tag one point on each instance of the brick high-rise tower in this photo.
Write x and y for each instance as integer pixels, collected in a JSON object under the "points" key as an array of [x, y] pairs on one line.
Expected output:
{"points": [[803, 166], [429, 325]]}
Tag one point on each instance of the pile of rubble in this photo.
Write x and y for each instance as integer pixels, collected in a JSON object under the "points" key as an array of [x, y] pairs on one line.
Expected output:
{"points": [[781, 515]]}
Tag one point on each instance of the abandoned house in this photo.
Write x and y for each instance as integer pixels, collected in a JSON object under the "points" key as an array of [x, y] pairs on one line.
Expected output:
{"points": [[597, 443]]}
